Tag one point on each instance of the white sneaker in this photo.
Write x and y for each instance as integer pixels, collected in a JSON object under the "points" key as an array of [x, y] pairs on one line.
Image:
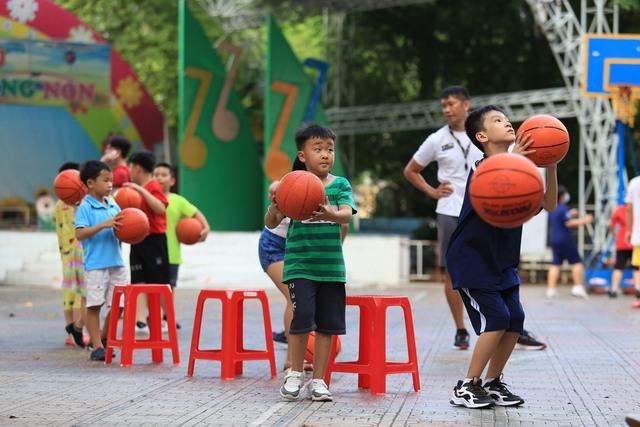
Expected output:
{"points": [[552, 292], [579, 291], [290, 390], [164, 326], [142, 329], [319, 391]]}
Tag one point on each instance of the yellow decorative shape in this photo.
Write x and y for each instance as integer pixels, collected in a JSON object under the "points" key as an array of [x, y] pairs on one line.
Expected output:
{"points": [[129, 92], [193, 150]]}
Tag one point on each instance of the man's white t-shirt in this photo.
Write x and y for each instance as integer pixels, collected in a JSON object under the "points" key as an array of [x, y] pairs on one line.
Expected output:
{"points": [[633, 197], [441, 147]]}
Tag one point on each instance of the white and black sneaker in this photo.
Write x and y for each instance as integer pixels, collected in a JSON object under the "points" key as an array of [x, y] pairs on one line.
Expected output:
{"points": [[471, 394], [293, 380], [500, 394], [319, 391]]}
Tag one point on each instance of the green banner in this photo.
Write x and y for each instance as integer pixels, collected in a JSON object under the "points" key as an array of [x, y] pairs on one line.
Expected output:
{"points": [[219, 170], [288, 99]]}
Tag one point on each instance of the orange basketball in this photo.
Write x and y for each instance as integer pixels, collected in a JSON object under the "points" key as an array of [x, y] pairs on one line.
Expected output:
{"points": [[506, 190], [134, 226], [311, 343], [299, 194], [128, 198], [68, 186], [550, 139], [188, 231]]}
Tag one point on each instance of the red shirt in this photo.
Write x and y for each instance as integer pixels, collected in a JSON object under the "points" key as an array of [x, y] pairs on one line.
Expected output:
{"points": [[157, 222], [120, 176], [619, 218]]}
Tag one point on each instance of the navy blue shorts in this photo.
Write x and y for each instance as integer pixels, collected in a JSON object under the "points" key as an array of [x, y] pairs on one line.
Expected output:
{"points": [[493, 310], [565, 250], [270, 248]]}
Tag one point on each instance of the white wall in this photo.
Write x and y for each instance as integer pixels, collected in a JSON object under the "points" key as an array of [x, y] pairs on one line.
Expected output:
{"points": [[226, 259]]}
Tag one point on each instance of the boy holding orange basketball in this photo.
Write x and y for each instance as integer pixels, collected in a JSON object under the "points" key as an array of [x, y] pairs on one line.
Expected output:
{"points": [[96, 219], [483, 263], [316, 277], [149, 259]]}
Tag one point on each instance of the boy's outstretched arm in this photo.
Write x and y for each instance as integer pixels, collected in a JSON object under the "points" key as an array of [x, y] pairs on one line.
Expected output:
{"points": [[86, 232], [154, 203], [550, 201], [205, 225]]}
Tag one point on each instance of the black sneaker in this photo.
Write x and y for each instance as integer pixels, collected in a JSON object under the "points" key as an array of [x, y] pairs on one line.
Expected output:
{"points": [[471, 395], [279, 337], [498, 391], [98, 354], [461, 341], [76, 334], [612, 294], [526, 341]]}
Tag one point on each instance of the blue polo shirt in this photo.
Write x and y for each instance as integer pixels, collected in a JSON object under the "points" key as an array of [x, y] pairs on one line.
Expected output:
{"points": [[102, 250], [559, 232], [481, 256]]}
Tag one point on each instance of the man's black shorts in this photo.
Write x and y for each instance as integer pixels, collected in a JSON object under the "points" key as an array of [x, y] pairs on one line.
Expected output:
{"points": [[317, 306], [149, 260]]}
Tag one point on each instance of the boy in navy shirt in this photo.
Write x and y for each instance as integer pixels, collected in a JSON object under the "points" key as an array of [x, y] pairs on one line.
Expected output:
{"points": [[483, 263]]}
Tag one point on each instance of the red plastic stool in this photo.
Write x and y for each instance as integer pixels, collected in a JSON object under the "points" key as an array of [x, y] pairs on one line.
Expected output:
{"points": [[232, 354], [129, 342], [372, 366]]}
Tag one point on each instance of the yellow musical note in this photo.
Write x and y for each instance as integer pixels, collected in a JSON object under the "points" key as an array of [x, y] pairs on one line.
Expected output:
{"points": [[225, 124], [277, 162], [193, 150]]}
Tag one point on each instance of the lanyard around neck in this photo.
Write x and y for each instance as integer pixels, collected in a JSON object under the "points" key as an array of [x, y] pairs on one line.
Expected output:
{"points": [[465, 151]]}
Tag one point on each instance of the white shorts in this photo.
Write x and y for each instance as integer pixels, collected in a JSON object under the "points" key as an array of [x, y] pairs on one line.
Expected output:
{"points": [[101, 282]]}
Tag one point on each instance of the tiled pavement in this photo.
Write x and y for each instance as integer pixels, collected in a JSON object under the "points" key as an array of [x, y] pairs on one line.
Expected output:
{"points": [[589, 375]]}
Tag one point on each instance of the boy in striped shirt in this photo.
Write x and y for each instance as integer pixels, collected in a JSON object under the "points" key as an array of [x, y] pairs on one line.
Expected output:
{"points": [[314, 265]]}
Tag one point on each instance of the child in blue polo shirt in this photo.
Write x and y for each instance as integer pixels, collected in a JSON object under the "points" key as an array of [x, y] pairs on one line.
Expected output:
{"points": [[96, 219], [483, 263]]}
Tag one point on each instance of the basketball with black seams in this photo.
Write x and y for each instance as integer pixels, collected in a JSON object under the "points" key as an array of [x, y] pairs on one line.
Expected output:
{"points": [[550, 139], [299, 194], [69, 187], [506, 190]]}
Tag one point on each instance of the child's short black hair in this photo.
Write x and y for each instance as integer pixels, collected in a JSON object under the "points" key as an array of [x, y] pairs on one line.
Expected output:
{"points": [[69, 165], [172, 170], [298, 165], [475, 123], [312, 131], [121, 143], [91, 169], [562, 190], [459, 92], [145, 159]]}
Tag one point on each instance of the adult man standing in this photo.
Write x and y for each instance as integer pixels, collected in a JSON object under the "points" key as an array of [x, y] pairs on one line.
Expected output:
{"points": [[452, 150], [454, 153]]}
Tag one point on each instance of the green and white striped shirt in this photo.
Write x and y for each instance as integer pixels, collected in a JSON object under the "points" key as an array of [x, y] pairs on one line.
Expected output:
{"points": [[314, 248]]}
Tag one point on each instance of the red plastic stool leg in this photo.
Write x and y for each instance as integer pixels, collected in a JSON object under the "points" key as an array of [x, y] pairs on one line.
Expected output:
{"points": [[411, 344], [195, 337], [171, 325], [113, 323], [128, 326], [378, 375], [155, 325], [229, 341], [239, 335], [268, 336], [367, 334]]}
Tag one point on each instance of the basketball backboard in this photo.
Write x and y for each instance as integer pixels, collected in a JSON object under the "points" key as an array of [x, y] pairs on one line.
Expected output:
{"points": [[610, 61]]}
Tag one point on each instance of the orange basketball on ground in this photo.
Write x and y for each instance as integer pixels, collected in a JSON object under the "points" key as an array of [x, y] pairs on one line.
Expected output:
{"points": [[134, 226], [299, 194], [188, 231], [128, 198], [68, 186], [550, 139], [311, 342], [506, 190]]}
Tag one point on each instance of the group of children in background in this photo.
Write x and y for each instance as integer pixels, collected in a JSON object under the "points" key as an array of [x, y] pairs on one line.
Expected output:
{"points": [[482, 259], [91, 254]]}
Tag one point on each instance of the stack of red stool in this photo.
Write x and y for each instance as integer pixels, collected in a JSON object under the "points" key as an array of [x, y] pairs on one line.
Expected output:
{"points": [[232, 353], [129, 342], [372, 366]]}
